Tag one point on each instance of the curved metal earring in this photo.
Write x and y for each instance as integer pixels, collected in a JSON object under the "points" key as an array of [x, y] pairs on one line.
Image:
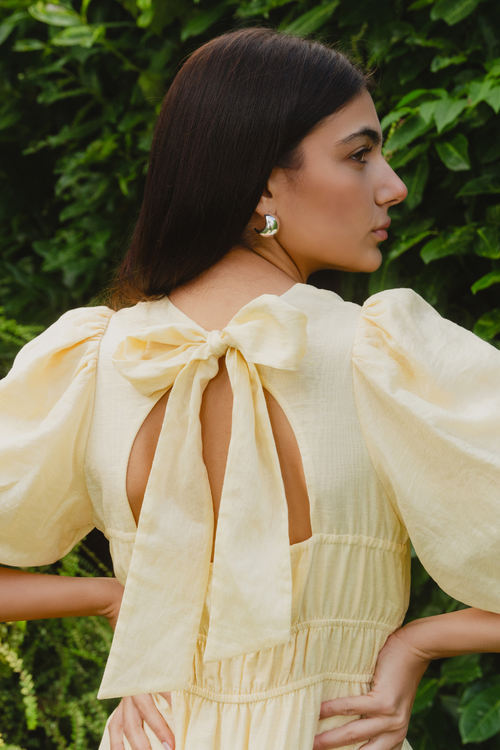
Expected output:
{"points": [[272, 226]]}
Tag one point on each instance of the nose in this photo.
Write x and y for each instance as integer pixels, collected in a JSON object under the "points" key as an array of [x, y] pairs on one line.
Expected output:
{"points": [[391, 188]]}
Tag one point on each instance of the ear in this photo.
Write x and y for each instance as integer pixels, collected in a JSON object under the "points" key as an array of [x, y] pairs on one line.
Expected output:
{"points": [[269, 200]]}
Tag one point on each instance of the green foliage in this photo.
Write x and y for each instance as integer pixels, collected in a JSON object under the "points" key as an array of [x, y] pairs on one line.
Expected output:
{"points": [[80, 90], [50, 672], [13, 335]]}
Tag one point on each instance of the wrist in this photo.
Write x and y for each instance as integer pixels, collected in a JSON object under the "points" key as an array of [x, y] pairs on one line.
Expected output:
{"points": [[414, 636], [109, 599], [413, 648]]}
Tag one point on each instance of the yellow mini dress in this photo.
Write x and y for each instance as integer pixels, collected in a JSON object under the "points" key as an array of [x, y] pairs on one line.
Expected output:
{"points": [[396, 412]]}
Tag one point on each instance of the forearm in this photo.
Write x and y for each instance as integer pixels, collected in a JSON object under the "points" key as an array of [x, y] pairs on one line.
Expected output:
{"points": [[34, 596], [466, 631]]}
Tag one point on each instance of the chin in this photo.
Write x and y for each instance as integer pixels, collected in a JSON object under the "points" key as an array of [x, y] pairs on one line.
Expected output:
{"points": [[371, 262]]}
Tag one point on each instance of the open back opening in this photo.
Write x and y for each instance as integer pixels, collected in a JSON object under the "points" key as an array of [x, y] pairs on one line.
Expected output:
{"points": [[215, 419]]}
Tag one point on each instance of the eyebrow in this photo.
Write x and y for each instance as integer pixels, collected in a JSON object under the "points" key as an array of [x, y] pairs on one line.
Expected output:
{"points": [[374, 135]]}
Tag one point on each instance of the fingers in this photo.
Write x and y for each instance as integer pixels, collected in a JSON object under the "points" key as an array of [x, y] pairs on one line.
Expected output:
{"points": [[357, 705], [139, 709], [382, 726], [362, 730], [132, 726], [115, 729]]}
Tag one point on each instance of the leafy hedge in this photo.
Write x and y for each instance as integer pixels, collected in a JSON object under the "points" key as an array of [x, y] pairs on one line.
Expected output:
{"points": [[80, 90]]}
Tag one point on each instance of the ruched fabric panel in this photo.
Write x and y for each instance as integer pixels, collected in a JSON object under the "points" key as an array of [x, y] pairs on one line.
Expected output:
{"points": [[272, 698]]}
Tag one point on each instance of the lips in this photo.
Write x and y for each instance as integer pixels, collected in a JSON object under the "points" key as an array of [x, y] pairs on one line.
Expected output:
{"points": [[381, 232]]}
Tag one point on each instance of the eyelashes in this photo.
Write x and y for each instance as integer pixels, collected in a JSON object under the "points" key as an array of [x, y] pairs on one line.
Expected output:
{"points": [[362, 152]]}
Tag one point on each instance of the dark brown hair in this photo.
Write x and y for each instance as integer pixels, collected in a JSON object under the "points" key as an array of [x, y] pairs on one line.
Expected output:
{"points": [[240, 105]]}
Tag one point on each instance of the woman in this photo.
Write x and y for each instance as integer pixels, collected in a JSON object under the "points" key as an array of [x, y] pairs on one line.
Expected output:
{"points": [[258, 452]]}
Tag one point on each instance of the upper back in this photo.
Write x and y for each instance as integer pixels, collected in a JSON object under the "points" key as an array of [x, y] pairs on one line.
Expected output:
{"points": [[323, 458]]}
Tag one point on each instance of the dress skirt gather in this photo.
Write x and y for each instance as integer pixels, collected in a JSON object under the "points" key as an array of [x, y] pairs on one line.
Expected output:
{"points": [[270, 700]]}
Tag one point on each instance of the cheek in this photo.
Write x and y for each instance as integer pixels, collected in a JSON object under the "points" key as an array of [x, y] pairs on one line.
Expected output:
{"points": [[335, 201], [328, 218]]}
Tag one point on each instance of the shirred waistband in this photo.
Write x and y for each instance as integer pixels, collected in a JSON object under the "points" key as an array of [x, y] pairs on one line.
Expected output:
{"points": [[343, 649], [291, 687]]}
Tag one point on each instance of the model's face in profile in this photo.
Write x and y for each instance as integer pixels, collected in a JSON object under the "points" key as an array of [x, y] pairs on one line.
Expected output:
{"points": [[333, 212]]}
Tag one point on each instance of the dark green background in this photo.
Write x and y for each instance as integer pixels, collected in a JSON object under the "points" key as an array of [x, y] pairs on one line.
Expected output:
{"points": [[80, 90]]}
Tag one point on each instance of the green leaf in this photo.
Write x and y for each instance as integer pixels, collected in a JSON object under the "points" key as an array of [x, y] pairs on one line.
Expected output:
{"points": [[8, 117], [51, 95], [416, 180], [454, 154], [406, 133], [453, 11], [311, 21], [480, 719], [27, 45], [85, 36], [488, 242], [152, 85], [426, 693], [426, 111], [65, 135], [202, 21], [258, 7], [450, 243], [488, 325], [440, 62], [405, 155], [486, 281], [461, 669], [447, 111], [9, 23], [54, 14], [487, 183], [395, 116], [478, 91], [411, 97], [403, 245], [493, 214], [146, 18], [493, 99]]}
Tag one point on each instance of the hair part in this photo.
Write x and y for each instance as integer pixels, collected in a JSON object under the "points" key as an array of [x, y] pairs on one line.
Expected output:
{"points": [[239, 106]]}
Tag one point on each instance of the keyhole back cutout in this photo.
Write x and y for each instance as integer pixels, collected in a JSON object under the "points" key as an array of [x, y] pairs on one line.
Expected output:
{"points": [[215, 417]]}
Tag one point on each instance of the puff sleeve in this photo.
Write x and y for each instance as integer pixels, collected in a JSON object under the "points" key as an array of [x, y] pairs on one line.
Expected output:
{"points": [[46, 403], [428, 399]]}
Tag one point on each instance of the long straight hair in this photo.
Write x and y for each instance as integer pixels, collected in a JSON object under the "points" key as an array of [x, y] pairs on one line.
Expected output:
{"points": [[239, 106]]}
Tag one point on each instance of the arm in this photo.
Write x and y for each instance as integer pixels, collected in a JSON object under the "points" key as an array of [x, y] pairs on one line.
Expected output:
{"points": [[34, 596], [467, 631], [385, 711]]}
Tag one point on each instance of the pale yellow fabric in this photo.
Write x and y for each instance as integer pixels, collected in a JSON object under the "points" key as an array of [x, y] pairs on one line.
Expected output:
{"points": [[397, 417], [252, 579]]}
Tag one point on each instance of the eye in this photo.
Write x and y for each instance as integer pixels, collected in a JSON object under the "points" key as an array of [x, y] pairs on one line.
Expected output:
{"points": [[357, 156]]}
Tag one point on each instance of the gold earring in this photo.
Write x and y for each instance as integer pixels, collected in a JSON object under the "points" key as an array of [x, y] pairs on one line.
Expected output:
{"points": [[272, 226]]}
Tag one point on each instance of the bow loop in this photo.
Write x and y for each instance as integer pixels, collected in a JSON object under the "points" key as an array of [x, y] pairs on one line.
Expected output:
{"points": [[217, 346], [267, 331], [252, 580]]}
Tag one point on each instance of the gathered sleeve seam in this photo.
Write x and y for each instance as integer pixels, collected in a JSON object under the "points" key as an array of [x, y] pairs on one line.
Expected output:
{"points": [[97, 337], [360, 422]]}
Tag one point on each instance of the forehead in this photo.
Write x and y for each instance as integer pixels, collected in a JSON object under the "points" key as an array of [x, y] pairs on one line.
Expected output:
{"points": [[340, 128]]}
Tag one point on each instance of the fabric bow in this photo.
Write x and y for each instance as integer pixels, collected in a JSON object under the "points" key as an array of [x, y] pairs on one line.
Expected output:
{"points": [[153, 647]]}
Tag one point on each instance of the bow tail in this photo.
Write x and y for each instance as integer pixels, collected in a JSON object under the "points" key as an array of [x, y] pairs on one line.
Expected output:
{"points": [[252, 580], [161, 615]]}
